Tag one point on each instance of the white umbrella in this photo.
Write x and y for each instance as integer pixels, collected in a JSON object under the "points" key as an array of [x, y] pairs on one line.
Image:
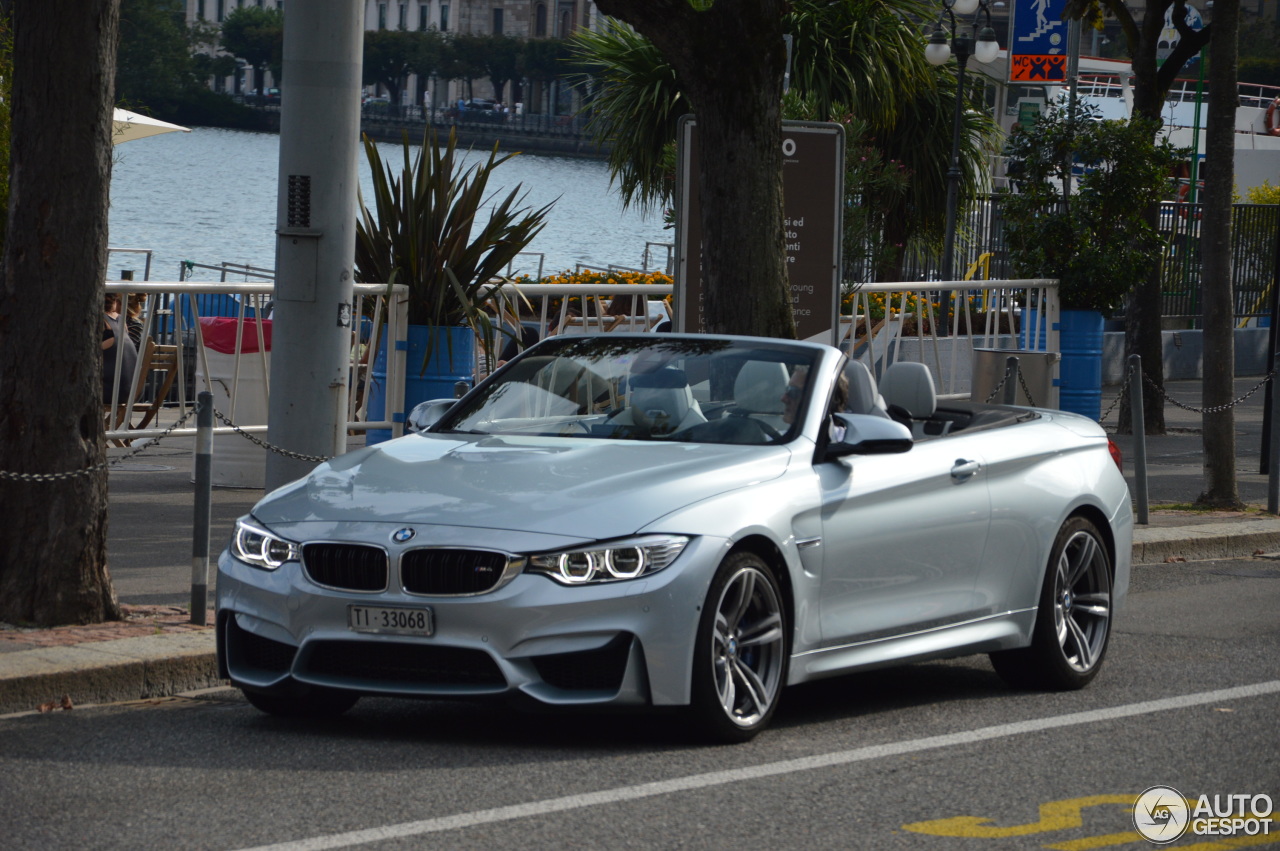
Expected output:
{"points": [[127, 126]]}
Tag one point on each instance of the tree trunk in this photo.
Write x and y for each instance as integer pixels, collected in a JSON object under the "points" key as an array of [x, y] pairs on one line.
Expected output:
{"points": [[53, 539], [1144, 308], [730, 60], [1218, 431]]}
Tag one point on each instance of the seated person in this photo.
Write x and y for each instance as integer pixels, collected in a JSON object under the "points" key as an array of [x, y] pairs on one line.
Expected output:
{"points": [[527, 337], [795, 392]]}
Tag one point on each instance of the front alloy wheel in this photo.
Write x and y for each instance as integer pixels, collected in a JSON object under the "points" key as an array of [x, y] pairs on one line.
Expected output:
{"points": [[1073, 621], [740, 661]]}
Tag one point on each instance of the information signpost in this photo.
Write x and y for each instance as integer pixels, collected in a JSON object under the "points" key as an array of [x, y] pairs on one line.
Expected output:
{"points": [[813, 194]]}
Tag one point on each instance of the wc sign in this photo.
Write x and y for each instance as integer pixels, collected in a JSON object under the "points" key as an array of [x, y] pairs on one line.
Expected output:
{"points": [[812, 199], [1038, 42]]}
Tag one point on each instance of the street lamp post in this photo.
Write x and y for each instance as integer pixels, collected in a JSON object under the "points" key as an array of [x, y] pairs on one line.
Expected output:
{"points": [[938, 51]]}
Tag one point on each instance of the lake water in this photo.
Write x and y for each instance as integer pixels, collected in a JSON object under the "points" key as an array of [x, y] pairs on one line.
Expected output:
{"points": [[209, 196]]}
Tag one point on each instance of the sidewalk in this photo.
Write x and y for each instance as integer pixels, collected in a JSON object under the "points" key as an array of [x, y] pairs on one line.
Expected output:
{"points": [[156, 651]]}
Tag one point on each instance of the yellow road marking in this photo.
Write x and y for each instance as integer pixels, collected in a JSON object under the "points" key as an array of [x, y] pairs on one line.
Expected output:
{"points": [[1054, 815]]}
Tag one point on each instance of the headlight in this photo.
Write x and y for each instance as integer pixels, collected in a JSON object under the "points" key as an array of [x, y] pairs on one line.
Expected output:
{"points": [[615, 560], [256, 546]]}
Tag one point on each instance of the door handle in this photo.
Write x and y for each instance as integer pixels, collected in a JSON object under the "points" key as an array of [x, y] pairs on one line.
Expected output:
{"points": [[964, 469]]}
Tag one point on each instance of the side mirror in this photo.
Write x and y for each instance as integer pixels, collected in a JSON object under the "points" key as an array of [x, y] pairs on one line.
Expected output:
{"points": [[865, 434], [426, 414]]}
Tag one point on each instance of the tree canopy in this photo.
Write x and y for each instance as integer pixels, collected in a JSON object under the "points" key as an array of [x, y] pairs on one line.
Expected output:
{"points": [[256, 35], [729, 58], [154, 67], [857, 62]]}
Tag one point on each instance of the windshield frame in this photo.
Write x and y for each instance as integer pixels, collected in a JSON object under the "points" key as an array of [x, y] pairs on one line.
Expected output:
{"points": [[618, 377]]}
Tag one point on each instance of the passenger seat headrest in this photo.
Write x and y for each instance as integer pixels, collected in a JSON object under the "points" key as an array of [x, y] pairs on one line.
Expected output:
{"points": [[864, 398], [667, 377], [909, 385], [759, 386], [661, 399]]}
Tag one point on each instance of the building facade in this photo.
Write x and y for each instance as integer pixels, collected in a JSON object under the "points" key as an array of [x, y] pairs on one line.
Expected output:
{"points": [[522, 19]]}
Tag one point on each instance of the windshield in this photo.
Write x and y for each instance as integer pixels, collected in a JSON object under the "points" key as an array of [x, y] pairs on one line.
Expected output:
{"points": [[651, 387]]}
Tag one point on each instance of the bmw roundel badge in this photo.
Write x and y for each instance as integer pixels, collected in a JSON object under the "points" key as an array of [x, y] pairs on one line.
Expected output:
{"points": [[401, 536]]}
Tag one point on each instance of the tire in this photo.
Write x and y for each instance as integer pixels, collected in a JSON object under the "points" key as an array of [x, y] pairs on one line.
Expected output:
{"points": [[307, 702], [742, 650], [1073, 621]]}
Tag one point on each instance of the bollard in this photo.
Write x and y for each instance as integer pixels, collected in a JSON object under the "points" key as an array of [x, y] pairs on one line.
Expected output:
{"points": [[204, 508], [1139, 439], [1273, 458], [1010, 392]]}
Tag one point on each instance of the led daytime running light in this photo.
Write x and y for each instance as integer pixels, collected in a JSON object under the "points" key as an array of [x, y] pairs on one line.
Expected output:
{"points": [[624, 560], [260, 548]]}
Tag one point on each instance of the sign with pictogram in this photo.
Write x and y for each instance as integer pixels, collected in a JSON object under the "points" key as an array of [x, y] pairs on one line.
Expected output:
{"points": [[1038, 42]]}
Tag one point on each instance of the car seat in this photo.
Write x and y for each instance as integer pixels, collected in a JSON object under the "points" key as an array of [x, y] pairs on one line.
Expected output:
{"points": [[909, 393], [759, 386], [661, 402], [864, 398]]}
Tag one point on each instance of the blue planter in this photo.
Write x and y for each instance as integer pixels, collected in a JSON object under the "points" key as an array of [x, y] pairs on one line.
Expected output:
{"points": [[1080, 335], [453, 354], [1080, 370]]}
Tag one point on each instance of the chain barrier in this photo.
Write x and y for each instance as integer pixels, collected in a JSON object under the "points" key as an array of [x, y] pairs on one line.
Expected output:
{"points": [[143, 444], [267, 446], [1022, 382], [996, 392], [1022, 379], [1128, 379], [110, 462], [1214, 409]]}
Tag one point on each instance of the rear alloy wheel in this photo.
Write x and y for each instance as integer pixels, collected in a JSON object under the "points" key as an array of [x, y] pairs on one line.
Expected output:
{"points": [[309, 702], [1073, 622], [740, 660]]}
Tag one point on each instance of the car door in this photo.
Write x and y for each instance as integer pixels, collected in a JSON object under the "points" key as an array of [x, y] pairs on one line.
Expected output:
{"points": [[903, 538]]}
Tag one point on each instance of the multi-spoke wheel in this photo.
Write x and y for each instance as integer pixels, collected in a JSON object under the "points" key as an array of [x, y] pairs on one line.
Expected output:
{"points": [[740, 661], [1073, 622]]}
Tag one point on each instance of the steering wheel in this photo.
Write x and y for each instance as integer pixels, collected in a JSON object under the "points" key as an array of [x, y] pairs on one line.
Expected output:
{"points": [[744, 414]]}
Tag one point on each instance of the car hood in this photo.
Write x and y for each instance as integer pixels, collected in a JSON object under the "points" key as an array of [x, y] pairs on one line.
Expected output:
{"points": [[584, 488]]}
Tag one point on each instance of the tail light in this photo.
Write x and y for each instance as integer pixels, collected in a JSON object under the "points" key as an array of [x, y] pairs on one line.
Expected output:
{"points": [[1116, 454]]}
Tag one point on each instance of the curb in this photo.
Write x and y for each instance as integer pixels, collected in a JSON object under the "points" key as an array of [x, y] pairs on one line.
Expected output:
{"points": [[108, 671], [1239, 539]]}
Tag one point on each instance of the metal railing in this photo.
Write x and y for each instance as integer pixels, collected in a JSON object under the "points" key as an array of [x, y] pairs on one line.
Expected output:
{"points": [[886, 322], [171, 317], [889, 322]]}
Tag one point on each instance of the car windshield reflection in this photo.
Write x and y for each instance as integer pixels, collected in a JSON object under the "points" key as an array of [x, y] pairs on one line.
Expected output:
{"points": [[700, 390]]}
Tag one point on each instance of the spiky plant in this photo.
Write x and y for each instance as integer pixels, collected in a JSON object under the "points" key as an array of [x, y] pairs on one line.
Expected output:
{"points": [[421, 232]]}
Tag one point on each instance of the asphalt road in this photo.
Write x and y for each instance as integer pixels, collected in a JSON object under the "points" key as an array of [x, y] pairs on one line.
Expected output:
{"points": [[929, 756]]}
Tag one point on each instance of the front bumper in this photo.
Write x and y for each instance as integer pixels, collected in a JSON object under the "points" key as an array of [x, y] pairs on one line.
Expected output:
{"points": [[621, 643]]}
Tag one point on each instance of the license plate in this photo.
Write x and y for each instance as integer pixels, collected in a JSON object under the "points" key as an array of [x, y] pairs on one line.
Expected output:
{"points": [[396, 621]]}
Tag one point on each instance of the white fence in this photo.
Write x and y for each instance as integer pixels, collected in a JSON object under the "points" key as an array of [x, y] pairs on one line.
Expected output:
{"points": [[174, 351], [897, 321], [890, 322]]}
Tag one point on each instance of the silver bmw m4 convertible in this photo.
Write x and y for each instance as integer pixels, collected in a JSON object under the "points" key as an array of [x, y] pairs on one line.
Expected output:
{"points": [[682, 521]]}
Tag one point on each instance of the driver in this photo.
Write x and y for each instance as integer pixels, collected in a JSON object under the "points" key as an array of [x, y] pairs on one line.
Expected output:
{"points": [[795, 392]]}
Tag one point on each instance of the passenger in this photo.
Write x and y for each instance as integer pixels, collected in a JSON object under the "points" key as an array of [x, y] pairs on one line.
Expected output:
{"points": [[795, 392], [529, 336], [116, 345], [134, 319]]}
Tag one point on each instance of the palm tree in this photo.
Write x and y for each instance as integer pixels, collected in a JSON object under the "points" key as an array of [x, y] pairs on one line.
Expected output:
{"points": [[854, 59]]}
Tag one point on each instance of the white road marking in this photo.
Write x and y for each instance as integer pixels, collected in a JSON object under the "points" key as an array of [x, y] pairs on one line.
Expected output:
{"points": [[771, 769]]}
